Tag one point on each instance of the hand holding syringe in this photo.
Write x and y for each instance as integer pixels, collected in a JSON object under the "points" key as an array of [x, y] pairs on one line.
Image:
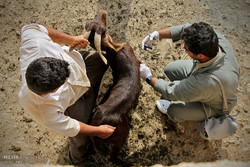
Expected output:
{"points": [[146, 45], [149, 40]]}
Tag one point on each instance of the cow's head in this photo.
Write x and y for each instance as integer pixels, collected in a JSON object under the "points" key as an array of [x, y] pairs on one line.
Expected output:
{"points": [[96, 33]]}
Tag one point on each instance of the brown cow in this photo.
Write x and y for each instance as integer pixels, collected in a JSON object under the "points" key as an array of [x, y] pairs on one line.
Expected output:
{"points": [[123, 94]]}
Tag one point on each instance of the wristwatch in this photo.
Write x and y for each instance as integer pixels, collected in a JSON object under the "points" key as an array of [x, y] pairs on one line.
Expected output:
{"points": [[148, 79]]}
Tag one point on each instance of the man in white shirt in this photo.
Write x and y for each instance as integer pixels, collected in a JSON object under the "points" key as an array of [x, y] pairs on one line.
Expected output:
{"points": [[60, 87]]}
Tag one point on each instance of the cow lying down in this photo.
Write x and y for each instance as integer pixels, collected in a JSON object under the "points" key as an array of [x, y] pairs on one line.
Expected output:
{"points": [[125, 90]]}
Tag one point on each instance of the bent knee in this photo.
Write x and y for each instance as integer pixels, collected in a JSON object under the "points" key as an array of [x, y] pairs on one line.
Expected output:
{"points": [[169, 68], [173, 115], [172, 71]]}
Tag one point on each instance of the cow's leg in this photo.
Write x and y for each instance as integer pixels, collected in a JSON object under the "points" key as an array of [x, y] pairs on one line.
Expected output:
{"points": [[119, 144]]}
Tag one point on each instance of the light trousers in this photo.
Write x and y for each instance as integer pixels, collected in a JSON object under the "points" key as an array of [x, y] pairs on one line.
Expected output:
{"points": [[180, 111]]}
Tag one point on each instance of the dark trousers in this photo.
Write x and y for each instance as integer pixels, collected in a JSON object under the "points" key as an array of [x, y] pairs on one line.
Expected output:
{"points": [[84, 106]]}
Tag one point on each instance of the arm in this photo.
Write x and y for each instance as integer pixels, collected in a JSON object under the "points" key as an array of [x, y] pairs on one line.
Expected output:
{"points": [[192, 89], [153, 81], [173, 33], [102, 131], [53, 119], [71, 127], [176, 31], [62, 38], [145, 73], [189, 90], [165, 33], [151, 38]]}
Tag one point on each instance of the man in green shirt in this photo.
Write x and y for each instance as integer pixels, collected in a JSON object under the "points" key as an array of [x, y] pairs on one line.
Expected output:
{"points": [[191, 91]]}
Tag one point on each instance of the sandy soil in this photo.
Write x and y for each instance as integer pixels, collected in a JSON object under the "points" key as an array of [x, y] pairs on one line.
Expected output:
{"points": [[153, 139]]}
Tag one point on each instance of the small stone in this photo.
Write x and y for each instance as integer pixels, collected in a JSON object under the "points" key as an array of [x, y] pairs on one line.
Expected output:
{"points": [[15, 148], [27, 120], [18, 33], [247, 128]]}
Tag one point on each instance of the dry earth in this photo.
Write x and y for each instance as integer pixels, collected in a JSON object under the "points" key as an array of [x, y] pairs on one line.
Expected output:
{"points": [[153, 139]]}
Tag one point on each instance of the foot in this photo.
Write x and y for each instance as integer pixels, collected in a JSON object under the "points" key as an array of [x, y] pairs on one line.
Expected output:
{"points": [[84, 163], [163, 105]]}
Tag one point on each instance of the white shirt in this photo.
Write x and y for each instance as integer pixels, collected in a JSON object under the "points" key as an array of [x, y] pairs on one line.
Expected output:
{"points": [[49, 109]]}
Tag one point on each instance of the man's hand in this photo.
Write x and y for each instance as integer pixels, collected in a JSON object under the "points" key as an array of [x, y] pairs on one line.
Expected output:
{"points": [[105, 131], [61, 38], [149, 40], [144, 71], [79, 42]]}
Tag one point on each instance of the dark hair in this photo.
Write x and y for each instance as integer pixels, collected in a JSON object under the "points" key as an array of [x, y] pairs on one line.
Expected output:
{"points": [[201, 39], [45, 74]]}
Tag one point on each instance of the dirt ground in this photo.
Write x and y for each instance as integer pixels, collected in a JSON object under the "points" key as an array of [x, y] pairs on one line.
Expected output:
{"points": [[153, 139]]}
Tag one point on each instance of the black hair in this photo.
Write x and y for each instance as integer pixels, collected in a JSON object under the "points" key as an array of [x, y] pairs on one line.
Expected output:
{"points": [[46, 74], [201, 39]]}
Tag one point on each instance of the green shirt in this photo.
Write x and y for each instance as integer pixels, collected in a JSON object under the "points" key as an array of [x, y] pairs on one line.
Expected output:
{"points": [[199, 86]]}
